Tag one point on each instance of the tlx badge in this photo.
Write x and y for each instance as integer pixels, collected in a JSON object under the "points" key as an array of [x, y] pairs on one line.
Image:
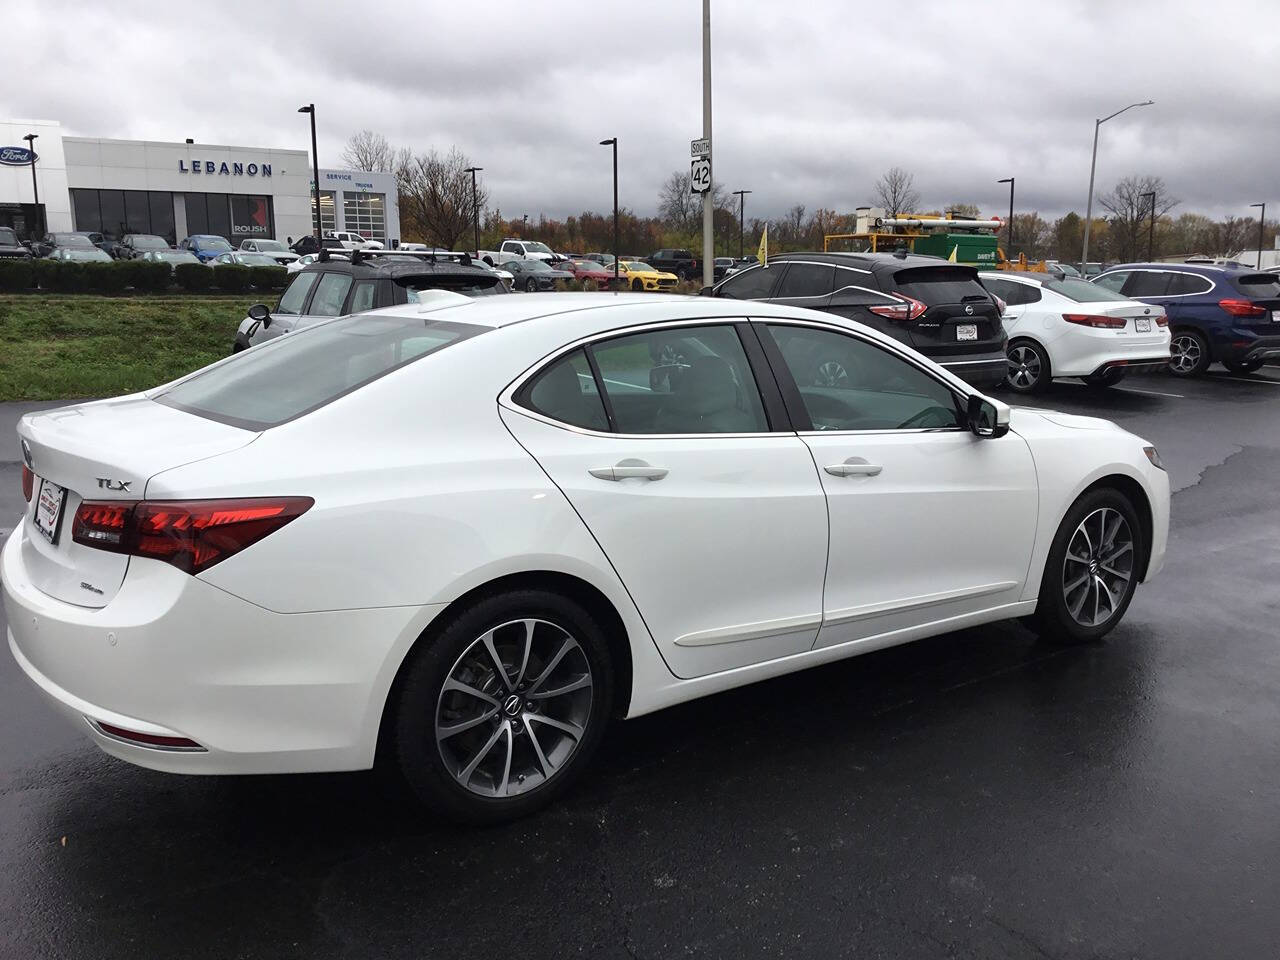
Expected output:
{"points": [[106, 483]]}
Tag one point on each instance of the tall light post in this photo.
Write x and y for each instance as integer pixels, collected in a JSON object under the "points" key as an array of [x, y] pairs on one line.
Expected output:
{"points": [[1151, 230], [1009, 181], [475, 206], [1093, 164], [315, 168], [613, 142], [1262, 224], [742, 211], [31, 145], [708, 198]]}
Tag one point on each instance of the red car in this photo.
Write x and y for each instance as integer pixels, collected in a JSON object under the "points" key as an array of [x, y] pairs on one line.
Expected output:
{"points": [[593, 275]]}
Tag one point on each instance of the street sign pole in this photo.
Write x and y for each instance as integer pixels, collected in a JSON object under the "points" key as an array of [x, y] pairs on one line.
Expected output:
{"points": [[708, 204]]}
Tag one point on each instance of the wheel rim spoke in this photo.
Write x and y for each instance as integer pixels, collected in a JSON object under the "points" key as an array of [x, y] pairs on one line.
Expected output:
{"points": [[458, 686], [452, 730], [550, 667], [1095, 580], [497, 661], [578, 684], [470, 768], [571, 729]]}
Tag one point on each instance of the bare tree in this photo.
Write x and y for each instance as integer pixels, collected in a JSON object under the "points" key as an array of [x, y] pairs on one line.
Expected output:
{"points": [[435, 196], [1131, 213], [964, 211], [682, 209], [895, 191], [367, 150]]}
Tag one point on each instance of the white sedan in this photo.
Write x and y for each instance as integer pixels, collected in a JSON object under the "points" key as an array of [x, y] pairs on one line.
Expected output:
{"points": [[1060, 326], [460, 537]]}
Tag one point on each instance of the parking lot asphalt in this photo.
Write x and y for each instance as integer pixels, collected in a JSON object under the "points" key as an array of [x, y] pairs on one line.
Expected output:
{"points": [[978, 794]]}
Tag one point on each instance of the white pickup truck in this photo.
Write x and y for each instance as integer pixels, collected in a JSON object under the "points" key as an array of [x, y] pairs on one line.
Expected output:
{"points": [[517, 250], [352, 241]]}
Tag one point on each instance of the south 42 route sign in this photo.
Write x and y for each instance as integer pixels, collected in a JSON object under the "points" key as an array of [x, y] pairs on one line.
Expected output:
{"points": [[700, 175]]}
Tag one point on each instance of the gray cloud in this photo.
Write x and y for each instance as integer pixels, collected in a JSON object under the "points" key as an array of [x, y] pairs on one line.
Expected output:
{"points": [[813, 100]]}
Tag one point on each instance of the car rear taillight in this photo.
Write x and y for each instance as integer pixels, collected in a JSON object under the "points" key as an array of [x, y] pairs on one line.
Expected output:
{"points": [[1162, 320], [903, 312], [1241, 308], [1090, 320], [28, 483], [192, 535]]}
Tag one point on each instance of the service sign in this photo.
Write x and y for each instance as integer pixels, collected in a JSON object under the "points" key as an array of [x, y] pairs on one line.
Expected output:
{"points": [[17, 156]]}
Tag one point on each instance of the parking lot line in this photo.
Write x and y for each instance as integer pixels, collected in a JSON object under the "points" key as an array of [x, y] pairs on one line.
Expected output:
{"points": [[1154, 393]]}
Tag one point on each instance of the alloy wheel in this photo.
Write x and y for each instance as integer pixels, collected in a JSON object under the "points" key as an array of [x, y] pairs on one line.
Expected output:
{"points": [[1024, 367], [514, 708], [1098, 568], [1184, 353]]}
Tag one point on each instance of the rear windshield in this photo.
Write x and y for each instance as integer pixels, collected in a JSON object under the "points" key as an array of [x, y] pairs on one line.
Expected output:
{"points": [[1260, 286], [935, 285], [1081, 291], [293, 375], [466, 285]]}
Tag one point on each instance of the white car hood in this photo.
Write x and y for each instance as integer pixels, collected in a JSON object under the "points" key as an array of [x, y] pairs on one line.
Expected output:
{"points": [[1028, 418]]}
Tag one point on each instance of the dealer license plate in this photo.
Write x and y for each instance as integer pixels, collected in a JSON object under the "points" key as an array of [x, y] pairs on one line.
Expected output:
{"points": [[1143, 325], [967, 331], [49, 509], [1275, 316]]}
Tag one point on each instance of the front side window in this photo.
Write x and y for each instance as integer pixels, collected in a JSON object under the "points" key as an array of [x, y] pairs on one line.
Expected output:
{"points": [[566, 391], [331, 293], [292, 300], [290, 376], [807, 280], [680, 380], [849, 384], [752, 284]]}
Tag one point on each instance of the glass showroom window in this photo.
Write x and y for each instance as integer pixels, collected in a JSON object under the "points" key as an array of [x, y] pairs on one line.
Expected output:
{"points": [[365, 214]]}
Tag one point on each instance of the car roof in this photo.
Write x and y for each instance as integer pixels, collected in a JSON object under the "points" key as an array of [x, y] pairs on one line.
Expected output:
{"points": [[876, 262], [384, 267], [1204, 269]]}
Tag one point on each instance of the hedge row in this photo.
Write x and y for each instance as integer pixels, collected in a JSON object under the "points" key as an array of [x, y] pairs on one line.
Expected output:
{"points": [[142, 276]]}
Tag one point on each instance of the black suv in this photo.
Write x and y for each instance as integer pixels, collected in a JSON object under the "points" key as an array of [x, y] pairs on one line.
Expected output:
{"points": [[11, 247], [334, 287], [937, 307], [309, 244], [680, 262]]}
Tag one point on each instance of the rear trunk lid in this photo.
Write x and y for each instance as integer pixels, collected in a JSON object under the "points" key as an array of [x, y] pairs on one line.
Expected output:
{"points": [[961, 317], [1262, 290], [102, 451]]}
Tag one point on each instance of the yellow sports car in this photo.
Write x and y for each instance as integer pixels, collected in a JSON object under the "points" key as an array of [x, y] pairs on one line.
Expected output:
{"points": [[640, 276]]}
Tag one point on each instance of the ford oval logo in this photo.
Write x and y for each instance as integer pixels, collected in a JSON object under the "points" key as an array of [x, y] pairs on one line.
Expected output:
{"points": [[17, 156]]}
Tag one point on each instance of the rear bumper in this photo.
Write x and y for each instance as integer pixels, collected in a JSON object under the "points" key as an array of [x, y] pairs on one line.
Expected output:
{"points": [[173, 656]]}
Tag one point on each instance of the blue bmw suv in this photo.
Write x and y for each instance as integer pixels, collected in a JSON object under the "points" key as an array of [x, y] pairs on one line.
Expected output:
{"points": [[1227, 314]]}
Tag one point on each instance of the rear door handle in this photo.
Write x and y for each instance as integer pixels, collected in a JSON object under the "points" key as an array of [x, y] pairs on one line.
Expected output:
{"points": [[629, 470], [854, 467]]}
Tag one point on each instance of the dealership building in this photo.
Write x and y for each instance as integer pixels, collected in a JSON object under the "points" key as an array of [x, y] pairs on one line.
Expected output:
{"points": [[174, 190]]}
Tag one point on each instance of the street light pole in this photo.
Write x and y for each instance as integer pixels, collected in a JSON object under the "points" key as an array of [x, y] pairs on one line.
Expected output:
{"points": [[1009, 181], [708, 198], [1262, 225], [613, 142], [315, 169], [742, 211], [1093, 164], [475, 206], [1151, 231], [31, 144]]}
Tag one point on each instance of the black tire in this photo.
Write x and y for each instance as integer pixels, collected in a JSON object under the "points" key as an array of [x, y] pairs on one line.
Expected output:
{"points": [[637, 286], [531, 285], [421, 759], [1029, 367], [1053, 618], [1108, 378], [1190, 353], [1240, 367]]}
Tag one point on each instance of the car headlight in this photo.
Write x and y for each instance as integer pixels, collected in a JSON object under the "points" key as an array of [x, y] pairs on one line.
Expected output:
{"points": [[1154, 456]]}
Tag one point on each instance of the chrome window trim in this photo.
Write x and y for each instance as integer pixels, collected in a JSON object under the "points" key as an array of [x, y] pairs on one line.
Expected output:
{"points": [[1213, 284]]}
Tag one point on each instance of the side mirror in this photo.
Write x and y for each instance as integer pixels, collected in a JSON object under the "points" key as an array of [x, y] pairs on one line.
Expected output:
{"points": [[261, 314], [707, 292], [987, 418]]}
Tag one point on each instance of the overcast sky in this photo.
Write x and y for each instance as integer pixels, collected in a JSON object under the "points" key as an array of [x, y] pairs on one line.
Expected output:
{"points": [[812, 100]]}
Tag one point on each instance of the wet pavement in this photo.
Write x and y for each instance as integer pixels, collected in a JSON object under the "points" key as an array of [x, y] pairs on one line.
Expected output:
{"points": [[975, 795]]}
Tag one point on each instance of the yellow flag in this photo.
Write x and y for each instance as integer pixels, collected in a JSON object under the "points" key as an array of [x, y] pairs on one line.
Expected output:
{"points": [[952, 258], [763, 254]]}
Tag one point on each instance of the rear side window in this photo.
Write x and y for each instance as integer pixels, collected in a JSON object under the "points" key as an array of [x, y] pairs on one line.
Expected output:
{"points": [[1113, 281], [807, 280], [290, 376], [566, 391], [295, 297], [330, 295], [1185, 283], [468, 286], [752, 284], [1011, 292], [1146, 283], [363, 298], [1082, 291], [939, 285], [1260, 286]]}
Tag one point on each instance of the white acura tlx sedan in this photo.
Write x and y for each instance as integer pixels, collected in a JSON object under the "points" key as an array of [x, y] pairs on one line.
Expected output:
{"points": [[460, 538]]}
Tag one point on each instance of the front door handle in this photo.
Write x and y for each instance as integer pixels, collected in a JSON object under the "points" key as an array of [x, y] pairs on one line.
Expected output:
{"points": [[854, 467], [628, 470]]}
